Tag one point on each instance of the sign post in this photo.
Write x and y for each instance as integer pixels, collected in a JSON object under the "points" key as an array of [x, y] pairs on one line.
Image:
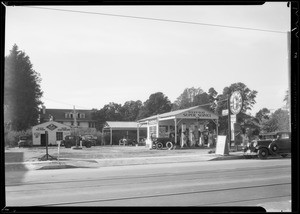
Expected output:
{"points": [[236, 104]]}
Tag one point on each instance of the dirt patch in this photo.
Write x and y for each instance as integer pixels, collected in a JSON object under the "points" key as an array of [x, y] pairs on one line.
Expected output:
{"points": [[101, 152]]}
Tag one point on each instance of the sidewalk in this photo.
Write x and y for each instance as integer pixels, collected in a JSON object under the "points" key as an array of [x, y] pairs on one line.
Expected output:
{"points": [[65, 163]]}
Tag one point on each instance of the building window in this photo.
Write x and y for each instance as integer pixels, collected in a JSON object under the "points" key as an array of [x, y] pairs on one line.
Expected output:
{"points": [[59, 136], [91, 125]]}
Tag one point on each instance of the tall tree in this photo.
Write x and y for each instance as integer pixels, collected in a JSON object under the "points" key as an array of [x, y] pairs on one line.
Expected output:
{"points": [[287, 100], [157, 103], [248, 96], [130, 110], [22, 91], [278, 121], [109, 112], [263, 114], [202, 99], [187, 98]]}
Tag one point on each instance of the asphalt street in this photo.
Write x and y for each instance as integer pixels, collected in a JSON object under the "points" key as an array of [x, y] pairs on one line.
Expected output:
{"points": [[244, 182]]}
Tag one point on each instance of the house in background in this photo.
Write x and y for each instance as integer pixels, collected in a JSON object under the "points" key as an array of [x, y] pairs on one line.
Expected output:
{"points": [[67, 117]]}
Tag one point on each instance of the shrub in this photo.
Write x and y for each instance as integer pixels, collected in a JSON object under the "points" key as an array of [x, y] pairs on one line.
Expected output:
{"points": [[12, 137]]}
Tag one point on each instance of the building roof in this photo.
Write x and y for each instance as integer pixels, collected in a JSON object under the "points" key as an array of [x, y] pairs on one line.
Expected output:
{"points": [[122, 125], [59, 114], [178, 114]]}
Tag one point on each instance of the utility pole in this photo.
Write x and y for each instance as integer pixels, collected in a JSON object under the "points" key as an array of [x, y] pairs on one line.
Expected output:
{"points": [[289, 72], [75, 125], [229, 130]]}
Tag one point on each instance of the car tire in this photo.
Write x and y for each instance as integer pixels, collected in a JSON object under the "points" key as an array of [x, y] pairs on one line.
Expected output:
{"points": [[284, 155], [159, 146], [169, 145], [263, 153], [273, 147], [88, 145]]}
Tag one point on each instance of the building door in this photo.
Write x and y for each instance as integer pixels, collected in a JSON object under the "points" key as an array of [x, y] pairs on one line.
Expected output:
{"points": [[43, 139]]}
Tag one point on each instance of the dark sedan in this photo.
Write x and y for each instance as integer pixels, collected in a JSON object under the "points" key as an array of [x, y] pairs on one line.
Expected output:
{"points": [[278, 144]]}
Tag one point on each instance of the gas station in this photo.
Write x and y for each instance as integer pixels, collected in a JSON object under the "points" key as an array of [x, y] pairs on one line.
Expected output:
{"points": [[184, 124]]}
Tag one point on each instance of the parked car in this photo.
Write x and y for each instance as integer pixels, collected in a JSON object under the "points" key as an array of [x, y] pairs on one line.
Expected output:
{"points": [[70, 141], [90, 138], [272, 144], [163, 142], [24, 141]]}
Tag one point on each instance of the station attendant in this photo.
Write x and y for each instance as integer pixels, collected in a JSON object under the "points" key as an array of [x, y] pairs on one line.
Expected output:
{"points": [[210, 139]]}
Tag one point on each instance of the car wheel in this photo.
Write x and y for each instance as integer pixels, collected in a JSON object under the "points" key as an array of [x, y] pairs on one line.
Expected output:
{"points": [[273, 147], [169, 145], [159, 146], [263, 153], [284, 155], [88, 145]]}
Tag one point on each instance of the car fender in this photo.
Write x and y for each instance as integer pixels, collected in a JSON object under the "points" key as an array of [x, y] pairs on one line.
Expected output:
{"points": [[260, 147]]}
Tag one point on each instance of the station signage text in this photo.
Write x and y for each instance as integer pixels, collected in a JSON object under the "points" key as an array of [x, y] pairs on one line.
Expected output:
{"points": [[197, 114]]}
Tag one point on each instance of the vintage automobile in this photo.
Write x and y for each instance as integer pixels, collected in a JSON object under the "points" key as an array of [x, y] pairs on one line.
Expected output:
{"points": [[70, 141], [163, 142], [271, 144], [24, 141], [90, 138]]}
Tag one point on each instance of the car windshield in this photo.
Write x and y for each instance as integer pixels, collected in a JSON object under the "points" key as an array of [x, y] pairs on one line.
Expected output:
{"points": [[267, 137]]}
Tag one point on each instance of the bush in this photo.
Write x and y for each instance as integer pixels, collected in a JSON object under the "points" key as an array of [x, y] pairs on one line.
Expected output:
{"points": [[12, 137]]}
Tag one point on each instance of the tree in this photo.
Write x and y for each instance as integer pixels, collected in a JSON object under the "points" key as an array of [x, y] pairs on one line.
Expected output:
{"points": [[248, 101], [263, 114], [186, 99], [278, 121], [130, 110], [287, 99], [202, 99], [157, 103], [22, 91], [109, 112]]}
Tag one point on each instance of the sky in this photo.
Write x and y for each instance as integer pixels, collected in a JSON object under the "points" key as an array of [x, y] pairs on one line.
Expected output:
{"points": [[89, 59]]}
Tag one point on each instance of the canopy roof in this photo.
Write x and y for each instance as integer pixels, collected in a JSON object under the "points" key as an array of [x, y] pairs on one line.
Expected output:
{"points": [[195, 112], [122, 125]]}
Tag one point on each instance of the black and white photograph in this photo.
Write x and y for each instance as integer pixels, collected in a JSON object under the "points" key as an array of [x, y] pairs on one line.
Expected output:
{"points": [[157, 106]]}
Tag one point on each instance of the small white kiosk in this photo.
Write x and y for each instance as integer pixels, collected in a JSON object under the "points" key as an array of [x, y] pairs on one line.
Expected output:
{"points": [[55, 131], [193, 119]]}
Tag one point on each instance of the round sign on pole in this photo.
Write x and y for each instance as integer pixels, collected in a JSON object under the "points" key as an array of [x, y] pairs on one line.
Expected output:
{"points": [[236, 102]]}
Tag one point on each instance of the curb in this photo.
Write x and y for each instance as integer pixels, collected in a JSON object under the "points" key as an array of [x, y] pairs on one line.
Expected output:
{"points": [[67, 163]]}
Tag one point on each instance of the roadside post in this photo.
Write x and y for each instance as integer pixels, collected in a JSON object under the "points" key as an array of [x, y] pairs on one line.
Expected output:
{"points": [[58, 148], [47, 156]]}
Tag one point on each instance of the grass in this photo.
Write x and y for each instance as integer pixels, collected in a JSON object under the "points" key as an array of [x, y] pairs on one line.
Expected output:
{"points": [[97, 152]]}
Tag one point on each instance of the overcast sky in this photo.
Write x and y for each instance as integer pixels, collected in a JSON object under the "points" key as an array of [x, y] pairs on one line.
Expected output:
{"points": [[89, 60]]}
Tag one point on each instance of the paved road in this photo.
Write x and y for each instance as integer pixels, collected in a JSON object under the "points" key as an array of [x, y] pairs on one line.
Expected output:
{"points": [[212, 183]]}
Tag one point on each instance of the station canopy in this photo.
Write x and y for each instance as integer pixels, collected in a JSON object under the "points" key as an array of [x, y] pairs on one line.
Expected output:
{"points": [[121, 125], [195, 112]]}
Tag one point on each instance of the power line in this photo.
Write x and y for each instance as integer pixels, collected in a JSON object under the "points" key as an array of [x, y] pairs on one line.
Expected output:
{"points": [[65, 103], [159, 19]]}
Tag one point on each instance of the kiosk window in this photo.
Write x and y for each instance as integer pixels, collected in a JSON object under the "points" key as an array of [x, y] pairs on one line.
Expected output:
{"points": [[59, 136]]}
